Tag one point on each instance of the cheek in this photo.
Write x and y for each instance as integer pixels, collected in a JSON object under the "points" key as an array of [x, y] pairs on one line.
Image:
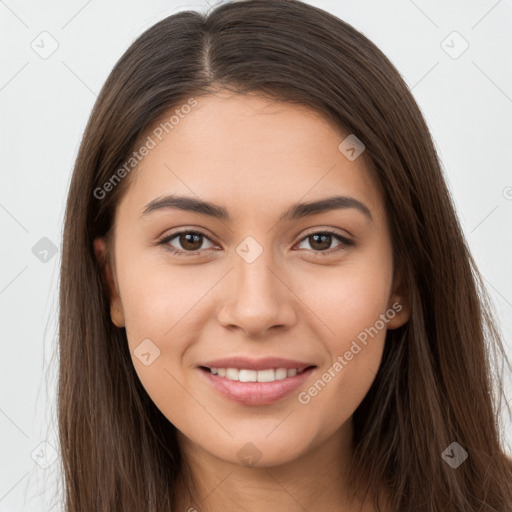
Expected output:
{"points": [[353, 305], [352, 357], [155, 300], [349, 298], [157, 306]]}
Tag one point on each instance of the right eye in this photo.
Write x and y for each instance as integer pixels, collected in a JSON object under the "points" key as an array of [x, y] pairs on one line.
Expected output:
{"points": [[190, 241]]}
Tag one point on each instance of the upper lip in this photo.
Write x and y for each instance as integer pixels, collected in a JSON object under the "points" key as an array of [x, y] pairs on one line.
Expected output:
{"points": [[249, 363]]}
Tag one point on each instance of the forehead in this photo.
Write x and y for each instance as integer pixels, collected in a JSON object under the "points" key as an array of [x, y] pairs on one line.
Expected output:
{"points": [[248, 151]]}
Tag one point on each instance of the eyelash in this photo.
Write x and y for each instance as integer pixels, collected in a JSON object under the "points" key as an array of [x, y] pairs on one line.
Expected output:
{"points": [[345, 242]]}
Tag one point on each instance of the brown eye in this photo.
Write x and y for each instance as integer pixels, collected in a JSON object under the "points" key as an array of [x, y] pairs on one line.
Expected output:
{"points": [[185, 242], [190, 241], [321, 242]]}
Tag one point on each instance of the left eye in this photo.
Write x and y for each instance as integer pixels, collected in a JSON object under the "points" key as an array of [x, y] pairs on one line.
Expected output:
{"points": [[321, 241]]}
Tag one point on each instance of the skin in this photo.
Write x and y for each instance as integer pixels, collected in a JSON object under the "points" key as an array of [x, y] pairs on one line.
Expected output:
{"points": [[255, 157]]}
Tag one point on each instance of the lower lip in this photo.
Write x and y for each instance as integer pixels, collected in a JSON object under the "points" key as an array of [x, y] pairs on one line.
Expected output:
{"points": [[256, 393]]}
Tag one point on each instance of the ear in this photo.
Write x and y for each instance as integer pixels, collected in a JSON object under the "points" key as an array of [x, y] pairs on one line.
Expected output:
{"points": [[109, 281], [399, 302]]}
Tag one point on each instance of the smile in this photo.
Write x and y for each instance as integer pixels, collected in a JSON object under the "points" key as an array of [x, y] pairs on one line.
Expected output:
{"points": [[255, 387]]}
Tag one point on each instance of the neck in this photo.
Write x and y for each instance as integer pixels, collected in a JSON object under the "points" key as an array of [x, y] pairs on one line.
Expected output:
{"points": [[315, 481]]}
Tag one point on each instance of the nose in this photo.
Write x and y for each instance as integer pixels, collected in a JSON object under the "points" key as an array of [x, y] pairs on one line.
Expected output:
{"points": [[257, 298]]}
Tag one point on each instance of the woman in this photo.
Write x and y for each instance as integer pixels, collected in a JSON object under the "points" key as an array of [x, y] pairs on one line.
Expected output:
{"points": [[267, 302]]}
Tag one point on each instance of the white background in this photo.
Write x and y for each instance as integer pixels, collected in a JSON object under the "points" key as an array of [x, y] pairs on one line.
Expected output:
{"points": [[45, 104]]}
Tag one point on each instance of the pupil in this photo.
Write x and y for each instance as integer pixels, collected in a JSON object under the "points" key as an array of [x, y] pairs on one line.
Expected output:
{"points": [[186, 244], [325, 246]]}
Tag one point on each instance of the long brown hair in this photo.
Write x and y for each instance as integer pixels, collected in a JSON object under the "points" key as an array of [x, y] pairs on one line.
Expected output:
{"points": [[436, 383]]}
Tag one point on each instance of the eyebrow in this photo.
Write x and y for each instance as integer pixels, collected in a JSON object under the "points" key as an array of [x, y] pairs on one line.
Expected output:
{"points": [[295, 212]]}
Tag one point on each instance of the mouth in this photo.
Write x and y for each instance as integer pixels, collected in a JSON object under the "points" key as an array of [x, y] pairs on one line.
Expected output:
{"points": [[256, 387]]}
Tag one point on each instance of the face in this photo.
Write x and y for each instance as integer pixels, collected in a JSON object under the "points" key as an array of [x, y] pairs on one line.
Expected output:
{"points": [[254, 279]]}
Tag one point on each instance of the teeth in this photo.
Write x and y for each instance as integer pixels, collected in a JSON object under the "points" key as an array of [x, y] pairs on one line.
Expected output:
{"points": [[243, 375], [247, 376], [232, 373]]}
